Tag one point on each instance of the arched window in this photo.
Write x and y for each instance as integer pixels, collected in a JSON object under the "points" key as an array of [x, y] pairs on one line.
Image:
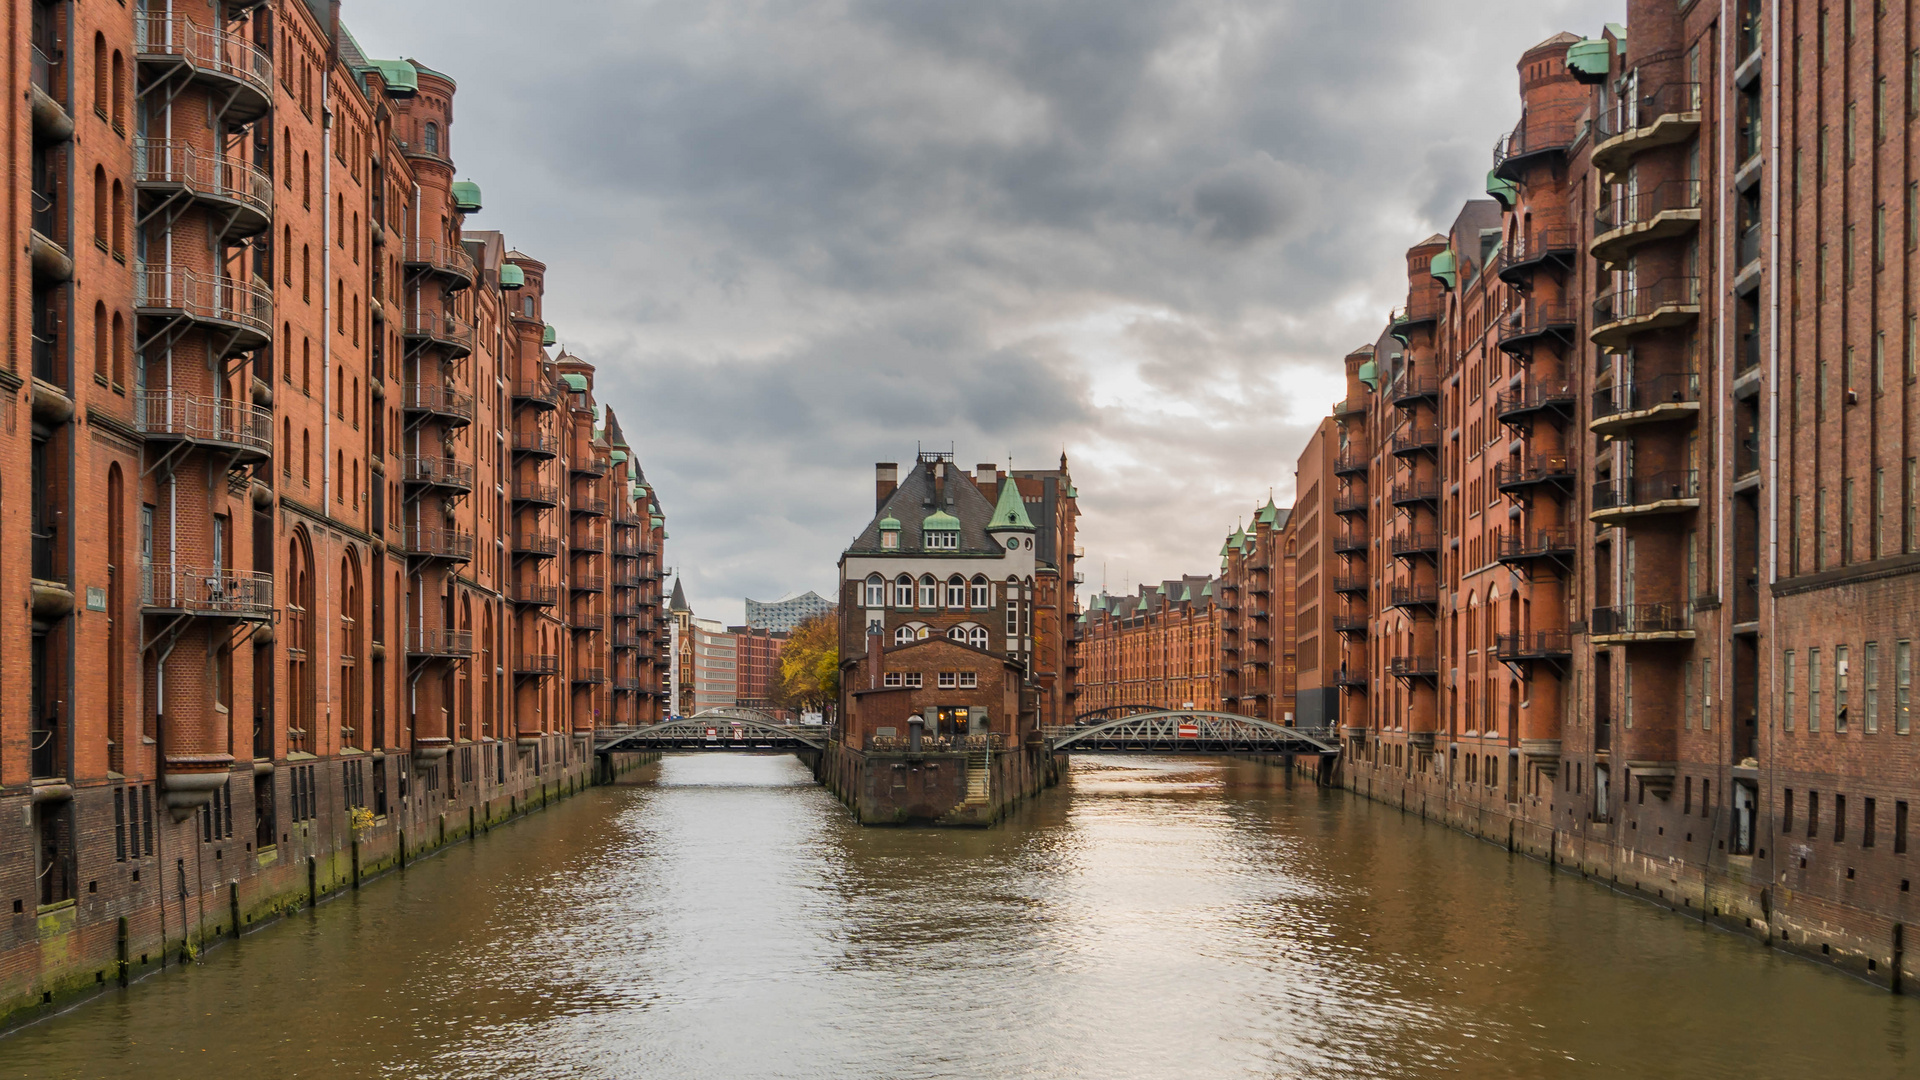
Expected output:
{"points": [[100, 73], [977, 637], [306, 457], [119, 90], [102, 214], [286, 447], [286, 148], [306, 273], [876, 591], [929, 591], [982, 593], [956, 591], [431, 141], [306, 365], [119, 238], [339, 474], [903, 592], [903, 635], [119, 350], [957, 633], [286, 260], [102, 344]]}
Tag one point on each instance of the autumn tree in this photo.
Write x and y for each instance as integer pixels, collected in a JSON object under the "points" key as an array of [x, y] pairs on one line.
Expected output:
{"points": [[809, 675]]}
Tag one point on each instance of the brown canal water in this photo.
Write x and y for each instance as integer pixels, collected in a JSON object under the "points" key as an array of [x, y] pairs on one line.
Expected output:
{"points": [[720, 917]]}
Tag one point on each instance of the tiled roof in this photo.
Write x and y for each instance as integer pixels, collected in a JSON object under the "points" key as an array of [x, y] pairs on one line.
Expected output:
{"points": [[912, 503]]}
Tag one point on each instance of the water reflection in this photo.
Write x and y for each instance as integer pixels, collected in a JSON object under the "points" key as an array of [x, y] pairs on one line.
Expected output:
{"points": [[721, 917]]}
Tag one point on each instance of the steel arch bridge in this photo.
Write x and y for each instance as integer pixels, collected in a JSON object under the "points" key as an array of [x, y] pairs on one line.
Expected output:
{"points": [[1192, 731], [726, 728]]}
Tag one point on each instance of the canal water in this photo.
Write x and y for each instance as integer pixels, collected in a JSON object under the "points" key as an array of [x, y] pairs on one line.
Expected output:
{"points": [[720, 917]]}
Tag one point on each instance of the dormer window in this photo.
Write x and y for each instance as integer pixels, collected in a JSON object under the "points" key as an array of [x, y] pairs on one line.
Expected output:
{"points": [[943, 541], [889, 541], [940, 532]]}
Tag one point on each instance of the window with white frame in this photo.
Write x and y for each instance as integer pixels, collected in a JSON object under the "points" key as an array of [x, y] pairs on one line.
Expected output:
{"points": [[929, 592], [957, 633], [949, 680], [956, 591], [941, 539], [977, 637], [913, 680], [969, 679], [894, 679], [903, 636], [982, 593], [876, 591], [903, 592]]}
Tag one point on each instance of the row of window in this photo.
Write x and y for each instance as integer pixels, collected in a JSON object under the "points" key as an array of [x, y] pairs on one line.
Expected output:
{"points": [[1873, 676], [966, 634], [1869, 820], [948, 680], [960, 593]]}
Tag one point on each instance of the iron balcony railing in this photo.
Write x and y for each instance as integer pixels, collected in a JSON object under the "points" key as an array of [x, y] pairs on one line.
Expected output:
{"points": [[590, 583], [1348, 503], [1412, 439], [1426, 667], [439, 256], [1416, 595], [533, 592], [1532, 470], [1659, 487], [439, 471], [424, 641], [1661, 618], [592, 675], [1415, 543], [207, 173], [1349, 623], [203, 591], [539, 391], [594, 463], [437, 326], [590, 542], [1542, 129], [591, 620], [438, 543], [209, 49], [1350, 583], [1541, 243], [166, 414], [1352, 679], [40, 72], [1416, 490], [1413, 387], [628, 549], [1538, 643], [537, 664], [591, 505], [1344, 542], [527, 491], [1349, 462], [1678, 388], [177, 290], [1534, 395], [1344, 409], [1646, 300], [536, 442], [537, 544], [1641, 207], [1525, 543], [1537, 318], [436, 398], [626, 683], [1636, 111]]}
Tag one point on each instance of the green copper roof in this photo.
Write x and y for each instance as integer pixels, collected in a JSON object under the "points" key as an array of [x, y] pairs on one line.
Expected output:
{"points": [[1445, 268], [1207, 589], [657, 521], [1011, 511], [639, 490], [890, 524], [1186, 594], [512, 277], [401, 78], [1369, 374], [575, 382], [466, 196], [1504, 190], [1589, 59], [618, 456], [1268, 513], [940, 521], [549, 336], [1226, 547]]}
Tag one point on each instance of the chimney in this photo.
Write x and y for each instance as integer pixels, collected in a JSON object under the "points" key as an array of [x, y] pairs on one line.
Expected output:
{"points": [[886, 477], [986, 477]]}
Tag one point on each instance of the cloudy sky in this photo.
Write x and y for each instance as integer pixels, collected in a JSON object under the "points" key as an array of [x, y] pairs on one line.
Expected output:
{"points": [[797, 237]]}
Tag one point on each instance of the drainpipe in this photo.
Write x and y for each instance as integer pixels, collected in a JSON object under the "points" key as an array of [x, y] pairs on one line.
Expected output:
{"points": [[327, 403], [1773, 398]]}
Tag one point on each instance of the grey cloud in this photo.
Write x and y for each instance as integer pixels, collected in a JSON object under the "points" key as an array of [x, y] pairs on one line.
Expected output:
{"points": [[797, 236]]}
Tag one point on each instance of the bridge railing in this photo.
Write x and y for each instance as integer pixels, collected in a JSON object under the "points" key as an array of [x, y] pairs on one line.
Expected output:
{"points": [[938, 743]]}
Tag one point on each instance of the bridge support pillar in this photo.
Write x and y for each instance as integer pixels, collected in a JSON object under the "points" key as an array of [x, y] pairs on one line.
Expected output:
{"points": [[936, 787]]}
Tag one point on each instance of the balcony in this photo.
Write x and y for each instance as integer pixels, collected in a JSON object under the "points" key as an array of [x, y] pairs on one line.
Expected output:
{"points": [[1351, 583], [437, 401], [1416, 440], [241, 193], [1403, 321], [242, 429], [47, 90], [1537, 645], [174, 46], [1350, 680], [626, 639], [589, 543], [1345, 503], [1415, 491], [1528, 472], [1661, 117], [1543, 134], [1351, 463], [438, 328], [587, 583], [626, 684], [1623, 625], [439, 644], [535, 494], [1623, 314], [46, 241], [588, 506], [1415, 596], [425, 543], [1414, 667], [1670, 492], [536, 545], [1533, 397], [448, 261], [1526, 253], [540, 394], [1345, 543], [438, 472], [536, 444], [1526, 545], [213, 593], [587, 622], [590, 676], [533, 594], [1533, 321], [1411, 389], [536, 665], [1666, 211], [1346, 623], [593, 463], [629, 549], [244, 313], [1415, 543], [1646, 401]]}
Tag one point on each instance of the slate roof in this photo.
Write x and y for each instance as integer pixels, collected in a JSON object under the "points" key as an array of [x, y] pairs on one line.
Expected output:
{"points": [[913, 502]]}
